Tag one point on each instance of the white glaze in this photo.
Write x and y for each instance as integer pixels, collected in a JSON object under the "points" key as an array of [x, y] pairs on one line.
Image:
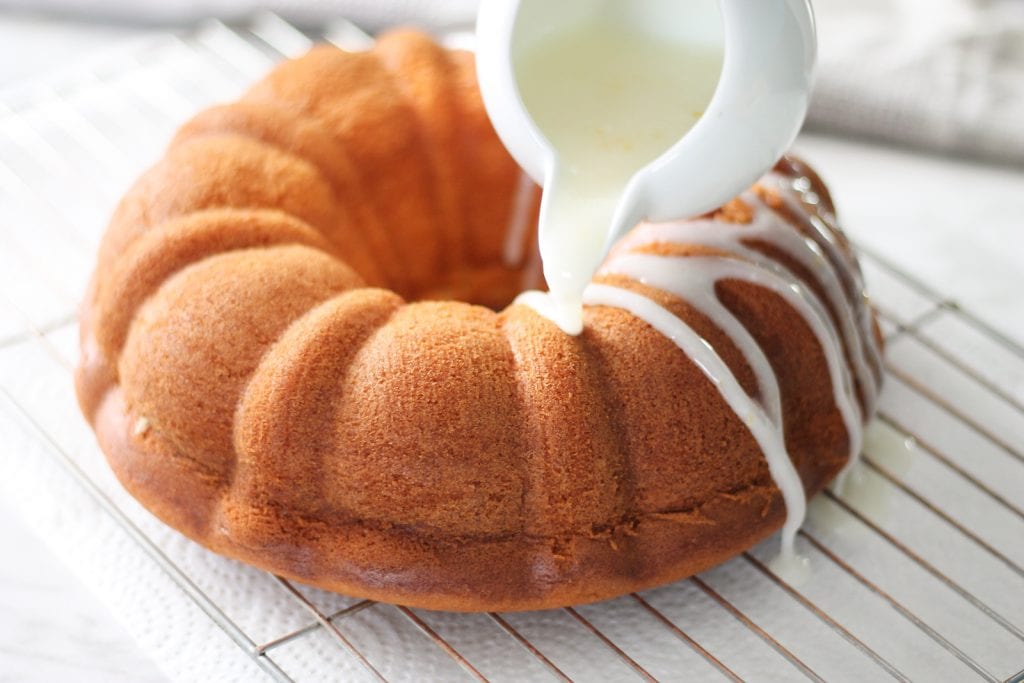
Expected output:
{"points": [[693, 279], [582, 86], [795, 191], [791, 567], [767, 226]]}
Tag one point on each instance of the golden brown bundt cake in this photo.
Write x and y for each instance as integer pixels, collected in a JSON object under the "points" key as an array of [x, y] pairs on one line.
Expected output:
{"points": [[283, 357]]}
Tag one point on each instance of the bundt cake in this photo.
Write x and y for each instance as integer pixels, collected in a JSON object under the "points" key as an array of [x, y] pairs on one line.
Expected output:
{"points": [[295, 351]]}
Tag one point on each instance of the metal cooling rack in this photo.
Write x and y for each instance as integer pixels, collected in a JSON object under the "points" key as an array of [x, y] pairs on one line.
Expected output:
{"points": [[918, 566]]}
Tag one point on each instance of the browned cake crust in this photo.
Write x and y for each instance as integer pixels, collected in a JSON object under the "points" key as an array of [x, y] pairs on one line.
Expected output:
{"points": [[258, 380]]}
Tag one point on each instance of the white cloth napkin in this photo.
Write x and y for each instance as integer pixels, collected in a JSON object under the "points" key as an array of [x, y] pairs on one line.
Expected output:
{"points": [[946, 75]]}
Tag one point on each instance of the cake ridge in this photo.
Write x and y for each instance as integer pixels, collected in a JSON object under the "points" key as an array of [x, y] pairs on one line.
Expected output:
{"points": [[420, 71], [288, 136], [152, 267], [821, 235], [492, 203], [597, 441], [266, 422], [171, 366], [804, 188], [292, 190], [393, 142]]}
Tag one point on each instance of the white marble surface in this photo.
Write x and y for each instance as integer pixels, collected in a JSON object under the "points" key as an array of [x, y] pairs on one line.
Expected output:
{"points": [[958, 223], [51, 627]]}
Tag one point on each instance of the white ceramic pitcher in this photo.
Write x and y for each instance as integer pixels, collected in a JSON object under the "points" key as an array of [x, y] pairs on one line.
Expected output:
{"points": [[755, 113]]}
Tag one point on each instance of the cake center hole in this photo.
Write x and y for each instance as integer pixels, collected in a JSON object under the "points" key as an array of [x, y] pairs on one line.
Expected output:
{"points": [[492, 285]]}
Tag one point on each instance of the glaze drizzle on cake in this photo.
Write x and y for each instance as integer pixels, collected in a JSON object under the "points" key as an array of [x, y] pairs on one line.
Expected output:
{"points": [[694, 278]]}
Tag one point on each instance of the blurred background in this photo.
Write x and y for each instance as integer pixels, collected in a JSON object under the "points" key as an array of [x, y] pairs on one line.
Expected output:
{"points": [[917, 121], [946, 75]]}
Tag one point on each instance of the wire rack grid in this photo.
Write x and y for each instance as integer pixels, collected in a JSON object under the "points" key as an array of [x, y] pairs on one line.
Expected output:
{"points": [[918, 565]]}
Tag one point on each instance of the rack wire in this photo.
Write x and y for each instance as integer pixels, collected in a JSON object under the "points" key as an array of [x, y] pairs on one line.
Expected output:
{"points": [[918, 564]]}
